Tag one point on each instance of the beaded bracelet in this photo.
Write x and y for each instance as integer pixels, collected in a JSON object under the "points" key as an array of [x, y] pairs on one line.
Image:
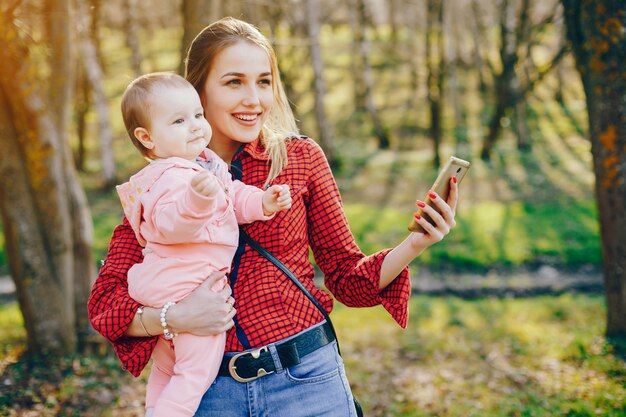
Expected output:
{"points": [[140, 312], [169, 335]]}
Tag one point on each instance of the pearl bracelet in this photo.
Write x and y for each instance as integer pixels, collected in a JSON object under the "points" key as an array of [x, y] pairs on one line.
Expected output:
{"points": [[169, 335]]}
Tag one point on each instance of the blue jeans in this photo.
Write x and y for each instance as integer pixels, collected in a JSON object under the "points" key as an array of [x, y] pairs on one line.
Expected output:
{"points": [[316, 387]]}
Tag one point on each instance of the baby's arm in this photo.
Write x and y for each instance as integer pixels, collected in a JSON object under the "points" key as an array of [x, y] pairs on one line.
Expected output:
{"points": [[251, 203], [178, 206]]}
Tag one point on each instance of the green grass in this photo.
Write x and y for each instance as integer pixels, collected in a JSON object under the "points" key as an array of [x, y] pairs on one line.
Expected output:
{"points": [[13, 331], [542, 356], [519, 357]]}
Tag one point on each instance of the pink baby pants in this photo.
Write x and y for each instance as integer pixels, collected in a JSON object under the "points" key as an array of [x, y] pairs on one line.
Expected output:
{"points": [[182, 370]]}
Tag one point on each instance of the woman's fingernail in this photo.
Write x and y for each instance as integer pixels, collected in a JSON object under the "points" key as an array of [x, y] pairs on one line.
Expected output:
{"points": [[432, 196], [417, 216], [454, 180], [420, 203]]}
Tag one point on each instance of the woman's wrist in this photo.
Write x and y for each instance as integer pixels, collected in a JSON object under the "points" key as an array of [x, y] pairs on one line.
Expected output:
{"points": [[151, 321], [173, 319]]}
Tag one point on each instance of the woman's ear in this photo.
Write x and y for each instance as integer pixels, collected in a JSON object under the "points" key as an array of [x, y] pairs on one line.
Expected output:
{"points": [[143, 136]]}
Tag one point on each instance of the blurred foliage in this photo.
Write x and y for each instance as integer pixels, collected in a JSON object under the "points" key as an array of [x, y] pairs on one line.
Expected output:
{"points": [[524, 207]]}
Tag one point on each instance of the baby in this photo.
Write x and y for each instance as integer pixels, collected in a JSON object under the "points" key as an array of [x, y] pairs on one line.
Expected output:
{"points": [[185, 210]]}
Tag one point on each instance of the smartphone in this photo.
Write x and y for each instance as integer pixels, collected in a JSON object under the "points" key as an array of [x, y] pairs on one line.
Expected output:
{"points": [[453, 167]]}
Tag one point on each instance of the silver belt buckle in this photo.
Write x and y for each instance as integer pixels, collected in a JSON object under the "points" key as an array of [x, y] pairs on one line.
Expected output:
{"points": [[232, 369]]}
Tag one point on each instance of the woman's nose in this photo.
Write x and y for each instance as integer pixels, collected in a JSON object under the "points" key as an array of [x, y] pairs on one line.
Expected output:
{"points": [[252, 97]]}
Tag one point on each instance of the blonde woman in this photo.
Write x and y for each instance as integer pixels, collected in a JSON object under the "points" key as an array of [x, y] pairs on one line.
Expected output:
{"points": [[280, 357]]}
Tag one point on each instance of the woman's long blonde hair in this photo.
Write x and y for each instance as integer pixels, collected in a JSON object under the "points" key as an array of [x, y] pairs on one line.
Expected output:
{"points": [[280, 123]]}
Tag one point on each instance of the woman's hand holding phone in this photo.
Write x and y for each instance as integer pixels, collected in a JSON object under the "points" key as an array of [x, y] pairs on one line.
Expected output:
{"points": [[435, 215]]}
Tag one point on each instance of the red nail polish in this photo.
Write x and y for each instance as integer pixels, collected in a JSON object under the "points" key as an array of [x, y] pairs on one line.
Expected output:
{"points": [[420, 204], [432, 196], [417, 216], [454, 180]]}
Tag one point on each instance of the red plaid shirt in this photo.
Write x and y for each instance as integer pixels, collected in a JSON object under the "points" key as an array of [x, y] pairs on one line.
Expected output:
{"points": [[269, 306]]}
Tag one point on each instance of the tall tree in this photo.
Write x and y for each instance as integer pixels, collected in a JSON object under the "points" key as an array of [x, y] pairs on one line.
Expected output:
{"points": [[319, 86], [362, 45], [197, 14], [46, 221], [131, 29], [516, 45], [93, 71], [596, 30], [506, 82], [435, 63]]}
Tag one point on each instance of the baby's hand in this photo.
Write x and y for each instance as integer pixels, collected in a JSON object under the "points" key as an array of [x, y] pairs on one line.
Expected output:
{"points": [[205, 184], [276, 198]]}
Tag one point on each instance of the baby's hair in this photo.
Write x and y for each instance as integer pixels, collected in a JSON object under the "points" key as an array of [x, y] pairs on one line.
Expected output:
{"points": [[136, 102]]}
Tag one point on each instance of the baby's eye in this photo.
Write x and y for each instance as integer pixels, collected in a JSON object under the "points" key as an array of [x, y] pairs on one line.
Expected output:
{"points": [[179, 121], [199, 115]]}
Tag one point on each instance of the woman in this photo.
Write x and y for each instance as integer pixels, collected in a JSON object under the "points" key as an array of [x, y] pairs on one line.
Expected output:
{"points": [[290, 366]]}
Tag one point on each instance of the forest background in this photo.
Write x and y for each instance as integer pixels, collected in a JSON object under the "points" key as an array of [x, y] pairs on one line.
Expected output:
{"points": [[390, 89]]}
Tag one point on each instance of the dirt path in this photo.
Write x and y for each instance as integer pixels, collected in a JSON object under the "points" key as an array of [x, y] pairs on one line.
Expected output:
{"points": [[513, 283]]}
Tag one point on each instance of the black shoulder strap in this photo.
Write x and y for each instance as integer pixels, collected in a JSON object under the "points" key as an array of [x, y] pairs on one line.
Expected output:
{"points": [[267, 254]]}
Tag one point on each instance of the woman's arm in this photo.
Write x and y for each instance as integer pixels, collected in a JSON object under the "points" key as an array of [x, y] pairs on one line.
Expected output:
{"points": [[353, 278], [416, 243]]}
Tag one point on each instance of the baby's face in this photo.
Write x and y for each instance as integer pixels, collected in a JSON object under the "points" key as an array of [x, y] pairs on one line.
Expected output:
{"points": [[177, 123]]}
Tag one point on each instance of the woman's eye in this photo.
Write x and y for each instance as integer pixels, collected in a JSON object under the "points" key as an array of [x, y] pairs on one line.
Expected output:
{"points": [[265, 82], [234, 82]]}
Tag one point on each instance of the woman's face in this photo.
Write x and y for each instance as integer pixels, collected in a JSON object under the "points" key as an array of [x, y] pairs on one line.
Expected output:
{"points": [[237, 96]]}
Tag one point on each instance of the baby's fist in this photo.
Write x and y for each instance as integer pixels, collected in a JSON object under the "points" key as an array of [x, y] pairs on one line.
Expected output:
{"points": [[205, 184], [276, 198]]}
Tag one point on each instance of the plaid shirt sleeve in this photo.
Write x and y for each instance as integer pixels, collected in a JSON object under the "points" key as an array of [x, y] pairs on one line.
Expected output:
{"points": [[350, 276], [110, 308]]}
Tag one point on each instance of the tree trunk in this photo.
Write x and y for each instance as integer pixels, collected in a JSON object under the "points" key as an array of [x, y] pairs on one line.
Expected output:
{"points": [[319, 87], [82, 103], [435, 63], [250, 12], [596, 32], [43, 207], [393, 26], [132, 35], [560, 73], [93, 72], [455, 84], [355, 62], [197, 14], [417, 20], [478, 38], [504, 79], [40, 290], [368, 79], [521, 127]]}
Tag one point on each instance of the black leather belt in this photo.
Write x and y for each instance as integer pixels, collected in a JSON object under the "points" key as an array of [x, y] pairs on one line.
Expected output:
{"points": [[250, 365]]}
